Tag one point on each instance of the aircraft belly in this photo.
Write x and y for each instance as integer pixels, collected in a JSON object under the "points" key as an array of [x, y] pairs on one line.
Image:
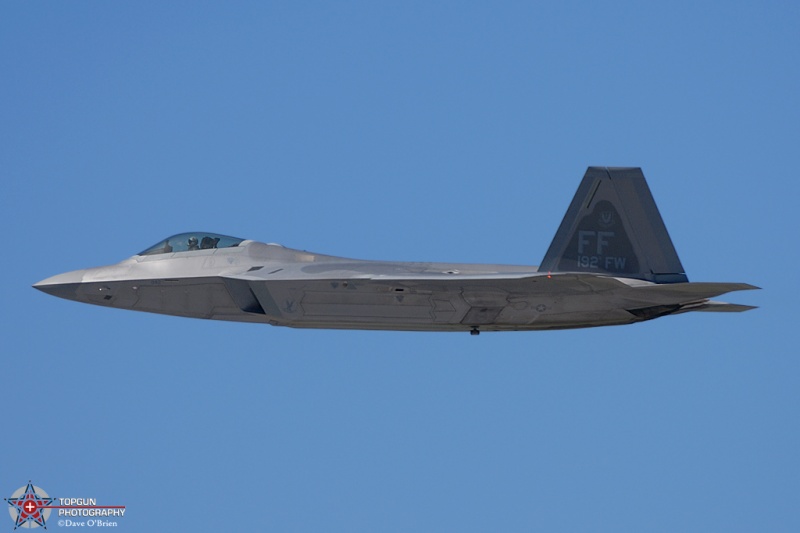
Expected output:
{"points": [[357, 304], [365, 304], [514, 305], [378, 303]]}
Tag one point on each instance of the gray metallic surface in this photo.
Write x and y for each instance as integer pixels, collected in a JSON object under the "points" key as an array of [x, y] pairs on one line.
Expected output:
{"points": [[611, 262]]}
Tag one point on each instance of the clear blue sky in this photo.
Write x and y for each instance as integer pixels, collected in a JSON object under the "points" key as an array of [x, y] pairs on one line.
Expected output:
{"points": [[447, 131]]}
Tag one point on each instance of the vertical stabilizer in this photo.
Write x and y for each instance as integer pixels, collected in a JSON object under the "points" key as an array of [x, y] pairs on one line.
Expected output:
{"points": [[613, 227]]}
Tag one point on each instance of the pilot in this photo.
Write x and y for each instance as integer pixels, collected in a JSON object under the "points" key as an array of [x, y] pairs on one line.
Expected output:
{"points": [[193, 244], [208, 242], [167, 247]]}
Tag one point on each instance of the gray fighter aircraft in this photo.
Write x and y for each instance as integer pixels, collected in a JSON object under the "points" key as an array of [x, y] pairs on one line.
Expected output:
{"points": [[611, 262]]}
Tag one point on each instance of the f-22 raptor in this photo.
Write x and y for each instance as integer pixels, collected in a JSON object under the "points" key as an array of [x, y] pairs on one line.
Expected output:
{"points": [[611, 262]]}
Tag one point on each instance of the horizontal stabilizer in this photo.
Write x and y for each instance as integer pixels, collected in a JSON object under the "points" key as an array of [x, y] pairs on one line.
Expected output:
{"points": [[723, 307], [697, 290], [685, 297]]}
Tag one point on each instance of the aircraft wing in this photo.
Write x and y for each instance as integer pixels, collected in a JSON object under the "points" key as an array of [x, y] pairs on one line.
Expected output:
{"points": [[516, 284]]}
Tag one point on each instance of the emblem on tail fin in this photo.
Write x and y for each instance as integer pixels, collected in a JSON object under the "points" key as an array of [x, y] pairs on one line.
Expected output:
{"points": [[599, 245], [607, 218], [613, 226]]}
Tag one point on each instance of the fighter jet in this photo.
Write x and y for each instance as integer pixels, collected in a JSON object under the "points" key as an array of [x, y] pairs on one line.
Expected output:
{"points": [[611, 262]]}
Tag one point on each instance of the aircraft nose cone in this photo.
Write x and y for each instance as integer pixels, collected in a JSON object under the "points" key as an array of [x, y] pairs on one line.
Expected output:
{"points": [[62, 285]]}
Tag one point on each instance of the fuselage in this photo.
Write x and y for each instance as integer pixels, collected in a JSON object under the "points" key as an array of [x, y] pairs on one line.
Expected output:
{"points": [[269, 283], [610, 262]]}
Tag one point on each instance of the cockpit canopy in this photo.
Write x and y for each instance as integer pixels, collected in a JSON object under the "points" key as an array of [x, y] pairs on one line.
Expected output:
{"points": [[189, 242]]}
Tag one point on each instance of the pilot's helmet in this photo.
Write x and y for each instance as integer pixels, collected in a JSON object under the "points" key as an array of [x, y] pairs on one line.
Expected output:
{"points": [[192, 241]]}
